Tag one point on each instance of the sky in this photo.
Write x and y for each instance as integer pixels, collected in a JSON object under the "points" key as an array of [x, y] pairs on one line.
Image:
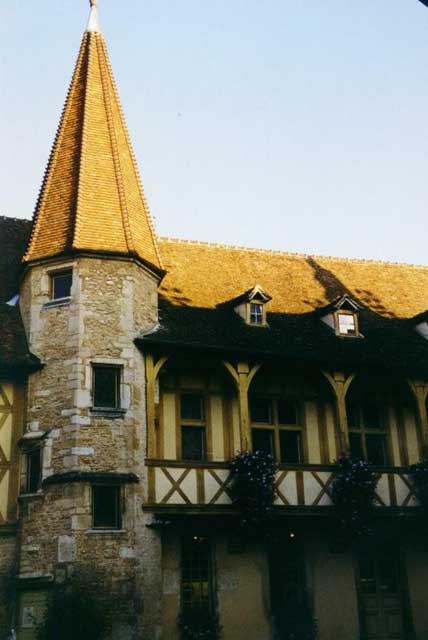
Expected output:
{"points": [[294, 125]]}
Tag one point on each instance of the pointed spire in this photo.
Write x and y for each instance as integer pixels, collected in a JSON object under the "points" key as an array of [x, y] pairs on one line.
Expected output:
{"points": [[93, 23], [92, 198]]}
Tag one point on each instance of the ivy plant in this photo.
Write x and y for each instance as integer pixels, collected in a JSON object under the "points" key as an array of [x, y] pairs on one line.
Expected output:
{"points": [[418, 474]]}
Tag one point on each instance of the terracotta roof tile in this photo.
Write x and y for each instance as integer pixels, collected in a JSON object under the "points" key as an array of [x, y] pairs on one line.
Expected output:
{"points": [[92, 198]]}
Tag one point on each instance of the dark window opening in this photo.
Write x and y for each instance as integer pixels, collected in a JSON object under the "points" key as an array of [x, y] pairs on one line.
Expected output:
{"points": [[256, 313], [192, 407], [356, 445], [287, 411], [261, 410], [61, 285], [263, 440], [376, 449], [196, 580], [34, 470], [368, 431], [291, 446], [372, 416], [106, 507], [193, 443], [106, 387]]}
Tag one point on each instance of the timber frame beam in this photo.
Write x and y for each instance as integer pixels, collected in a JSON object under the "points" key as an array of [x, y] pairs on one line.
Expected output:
{"points": [[243, 375], [340, 383], [152, 372], [420, 392]]}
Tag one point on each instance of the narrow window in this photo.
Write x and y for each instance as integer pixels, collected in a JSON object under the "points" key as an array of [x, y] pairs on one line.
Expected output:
{"points": [[193, 427], [256, 313], [281, 434], [106, 507], [196, 581], [368, 431], [106, 387], [291, 446], [61, 284], [261, 410], [33, 470], [346, 324]]}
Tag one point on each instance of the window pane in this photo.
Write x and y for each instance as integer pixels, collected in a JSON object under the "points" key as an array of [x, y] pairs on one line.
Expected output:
{"points": [[260, 410], [347, 325], [372, 414], [353, 416], [34, 469], [196, 579], [61, 285], [106, 387], [376, 449], [256, 313], [287, 411], [291, 446], [193, 443], [356, 445], [263, 440], [106, 507], [192, 407]]}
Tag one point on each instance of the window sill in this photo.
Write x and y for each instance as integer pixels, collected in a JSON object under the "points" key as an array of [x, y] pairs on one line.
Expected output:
{"points": [[107, 413], [106, 532], [30, 496], [58, 302]]}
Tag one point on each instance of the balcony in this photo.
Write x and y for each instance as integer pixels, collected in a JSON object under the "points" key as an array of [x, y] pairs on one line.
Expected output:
{"points": [[176, 486]]}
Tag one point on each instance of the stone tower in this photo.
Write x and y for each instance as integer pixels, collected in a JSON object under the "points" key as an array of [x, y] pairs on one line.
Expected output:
{"points": [[92, 270]]}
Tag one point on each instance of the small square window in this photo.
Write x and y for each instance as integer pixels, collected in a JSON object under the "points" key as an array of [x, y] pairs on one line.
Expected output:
{"points": [[106, 387], [33, 470], [61, 285], [291, 446], [256, 313], [192, 407], [261, 410], [263, 440], [347, 325], [193, 443], [106, 507]]}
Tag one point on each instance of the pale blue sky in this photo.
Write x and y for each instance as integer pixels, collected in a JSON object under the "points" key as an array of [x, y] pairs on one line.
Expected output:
{"points": [[298, 125]]}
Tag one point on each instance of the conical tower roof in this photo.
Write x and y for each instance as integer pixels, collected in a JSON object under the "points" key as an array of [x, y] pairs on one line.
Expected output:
{"points": [[92, 199]]}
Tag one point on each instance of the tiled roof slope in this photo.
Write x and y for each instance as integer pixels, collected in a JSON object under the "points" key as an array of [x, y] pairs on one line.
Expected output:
{"points": [[92, 198], [205, 275], [14, 236], [202, 278]]}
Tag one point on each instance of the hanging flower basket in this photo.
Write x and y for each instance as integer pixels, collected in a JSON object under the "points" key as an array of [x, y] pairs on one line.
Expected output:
{"points": [[418, 474], [253, 488], [353, 494]]}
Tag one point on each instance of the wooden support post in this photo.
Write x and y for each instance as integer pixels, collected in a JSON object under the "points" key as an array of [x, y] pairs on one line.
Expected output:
{"points": [[340, 384], [420, 391], [243, 375], [152, 372]]}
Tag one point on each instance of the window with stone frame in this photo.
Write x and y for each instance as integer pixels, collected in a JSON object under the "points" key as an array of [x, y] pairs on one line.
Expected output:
{"points": [[106, 381], [61, 282], [106, 506], [33, 469], [276, 428], [193, 427], [197, 590], [368, 430]]}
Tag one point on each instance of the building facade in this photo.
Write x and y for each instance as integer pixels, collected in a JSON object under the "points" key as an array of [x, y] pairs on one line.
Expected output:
{"points": [[133, 368]]}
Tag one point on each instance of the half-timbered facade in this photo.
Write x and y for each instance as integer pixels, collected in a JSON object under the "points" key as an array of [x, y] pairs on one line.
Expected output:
{"points": [[133, 369]]}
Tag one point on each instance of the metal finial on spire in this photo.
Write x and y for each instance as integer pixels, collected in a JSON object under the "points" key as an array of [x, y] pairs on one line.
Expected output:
{"points": [[93, 24]]}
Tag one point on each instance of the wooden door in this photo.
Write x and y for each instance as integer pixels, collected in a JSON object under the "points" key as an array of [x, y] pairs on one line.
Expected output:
{"points": [[32, 606], [380, 595]]}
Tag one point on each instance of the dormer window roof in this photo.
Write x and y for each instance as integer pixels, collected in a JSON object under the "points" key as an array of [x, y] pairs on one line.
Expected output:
{"points": [[420, 324], [251, 306], [343, 317]]}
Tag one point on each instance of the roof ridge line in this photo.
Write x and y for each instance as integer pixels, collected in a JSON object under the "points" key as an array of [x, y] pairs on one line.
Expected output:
{"points": [[220, 245]]}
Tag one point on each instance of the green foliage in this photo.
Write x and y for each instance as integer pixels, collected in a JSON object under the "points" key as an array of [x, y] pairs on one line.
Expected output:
{"points": [[353, 494], [78, 609], [253, 487]]}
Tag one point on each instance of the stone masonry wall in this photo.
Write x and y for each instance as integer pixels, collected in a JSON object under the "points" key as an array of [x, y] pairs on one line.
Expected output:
{"points": [[111, 302]]}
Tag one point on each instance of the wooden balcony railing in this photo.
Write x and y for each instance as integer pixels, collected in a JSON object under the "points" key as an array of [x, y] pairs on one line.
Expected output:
{"points": [[176, 484]]}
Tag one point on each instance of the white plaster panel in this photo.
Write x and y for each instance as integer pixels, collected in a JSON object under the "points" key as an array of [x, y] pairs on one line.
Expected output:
{"points": [[288, 489], [311, 418]]}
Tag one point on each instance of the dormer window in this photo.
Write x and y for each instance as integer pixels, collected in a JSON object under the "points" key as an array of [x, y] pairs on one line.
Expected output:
{"points": [[251, 306], [256, 313], [342, 317], [346, 323]]}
